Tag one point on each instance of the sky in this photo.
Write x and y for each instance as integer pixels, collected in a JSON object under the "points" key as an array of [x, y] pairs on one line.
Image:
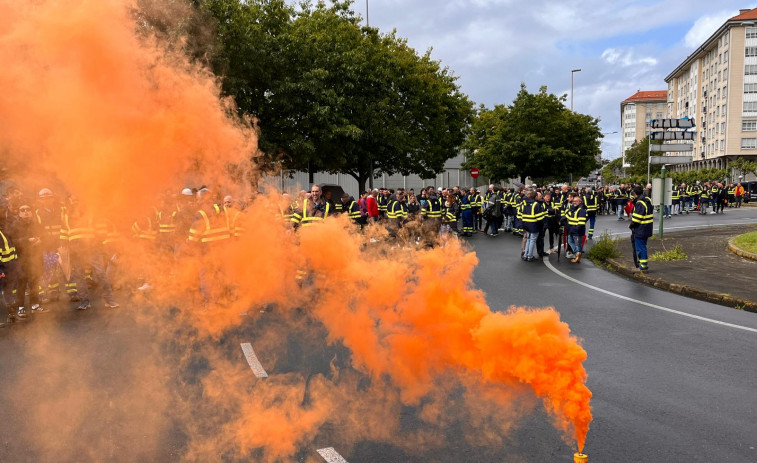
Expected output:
{"points": [[495, 45]]}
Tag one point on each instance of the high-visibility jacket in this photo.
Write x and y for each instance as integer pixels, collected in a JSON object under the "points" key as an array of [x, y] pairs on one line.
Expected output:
{"points": [[433, 208], [143, 229], [353, 210], [477, 201], [642, 217], [383, 204], [76, 229], [676, 194], [576, 216], [7, 250], [165, 221], [532, 213], [306, 218], [591, 201], [394, 210], [210, 228]]}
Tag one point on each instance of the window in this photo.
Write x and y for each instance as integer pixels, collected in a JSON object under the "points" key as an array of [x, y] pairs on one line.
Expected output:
{"points": [[748, 143], [750, 88], [749, 125], [750, 51], [723, 111], [751, 33], [722, 145], [725, 57]]}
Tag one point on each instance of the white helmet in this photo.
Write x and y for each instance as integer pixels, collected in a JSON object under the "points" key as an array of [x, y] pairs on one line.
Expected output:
{"points": [[45, 193], [186, 192]]}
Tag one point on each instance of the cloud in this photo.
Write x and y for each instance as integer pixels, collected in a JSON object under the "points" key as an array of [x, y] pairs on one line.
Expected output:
{"points": [[704, 27], [626, 58]]}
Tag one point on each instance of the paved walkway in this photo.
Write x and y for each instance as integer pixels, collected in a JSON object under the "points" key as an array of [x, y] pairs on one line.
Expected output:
{"points": [[712, 272]]}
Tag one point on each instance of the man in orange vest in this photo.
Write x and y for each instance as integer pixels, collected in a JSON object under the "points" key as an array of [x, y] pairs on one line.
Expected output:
{"points": [[738, 193]]}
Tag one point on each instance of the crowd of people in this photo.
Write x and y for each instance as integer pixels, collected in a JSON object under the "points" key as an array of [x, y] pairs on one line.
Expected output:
{"points": [[435, 215], [49, 248], [52, 250]]}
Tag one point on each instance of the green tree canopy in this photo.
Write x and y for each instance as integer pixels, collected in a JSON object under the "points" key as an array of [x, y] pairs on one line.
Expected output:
{"points": [[535, 136], [331, 95]]}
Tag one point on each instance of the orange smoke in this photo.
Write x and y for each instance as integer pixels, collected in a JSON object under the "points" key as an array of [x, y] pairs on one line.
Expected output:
{"points": [[109, 115]]}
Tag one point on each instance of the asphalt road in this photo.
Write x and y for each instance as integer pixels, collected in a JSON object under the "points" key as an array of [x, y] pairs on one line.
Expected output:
{"points": [[673, 379]]}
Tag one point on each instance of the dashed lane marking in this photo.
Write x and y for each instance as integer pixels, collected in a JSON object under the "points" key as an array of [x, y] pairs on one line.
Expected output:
{"points": [[252, 359], [648, 304], [331, 455]]}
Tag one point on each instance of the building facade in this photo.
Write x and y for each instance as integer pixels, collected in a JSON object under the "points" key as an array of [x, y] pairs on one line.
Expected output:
{"points": [[717, 87], [635, 113]]}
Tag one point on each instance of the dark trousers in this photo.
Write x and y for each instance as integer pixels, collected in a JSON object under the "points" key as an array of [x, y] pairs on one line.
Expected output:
{"points": [[478, 219], [540, 242], [28, 275]]}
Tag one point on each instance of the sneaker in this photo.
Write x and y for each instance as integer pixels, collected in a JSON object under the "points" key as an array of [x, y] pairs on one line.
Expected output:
{"points": [[569, 255], [111, 304], [84, 305], [37, 308], [145, 287], [22, 312]]}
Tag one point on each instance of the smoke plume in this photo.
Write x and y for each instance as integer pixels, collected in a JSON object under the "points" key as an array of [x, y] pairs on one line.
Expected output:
{"points": [[96, 106]]}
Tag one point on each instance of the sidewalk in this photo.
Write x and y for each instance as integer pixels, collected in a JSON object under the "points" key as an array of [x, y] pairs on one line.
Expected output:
{"points": [[711, 273]]}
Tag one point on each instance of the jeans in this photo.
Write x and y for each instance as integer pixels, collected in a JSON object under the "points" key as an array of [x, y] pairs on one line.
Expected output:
{"points": [[576, 243], [667, 210], [493, 223], [641, 252], [530, 245]]}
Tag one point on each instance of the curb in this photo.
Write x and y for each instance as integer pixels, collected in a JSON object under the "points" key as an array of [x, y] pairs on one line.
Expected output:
{"points": [[740, 252], [683, 290]]}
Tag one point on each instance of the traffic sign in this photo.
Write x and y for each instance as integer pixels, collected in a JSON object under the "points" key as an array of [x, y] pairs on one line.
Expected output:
{"points": [[672, 123], [679, 148], [674, 135], [670, 159], [474, 172]]}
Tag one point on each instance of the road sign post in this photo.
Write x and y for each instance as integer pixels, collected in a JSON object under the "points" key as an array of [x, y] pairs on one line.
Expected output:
{"points": [[666, 135]]}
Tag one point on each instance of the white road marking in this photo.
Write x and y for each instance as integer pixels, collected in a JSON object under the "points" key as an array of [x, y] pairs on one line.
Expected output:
{"points": [[331, 455], [252, 359], [654, 306]]}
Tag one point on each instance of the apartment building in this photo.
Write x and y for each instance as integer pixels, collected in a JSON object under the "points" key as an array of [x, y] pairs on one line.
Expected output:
{"points": [[717, 87], [635, 113]]}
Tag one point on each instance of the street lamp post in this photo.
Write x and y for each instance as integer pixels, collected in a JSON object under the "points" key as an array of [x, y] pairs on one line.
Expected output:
{"points": [[572, 72]]}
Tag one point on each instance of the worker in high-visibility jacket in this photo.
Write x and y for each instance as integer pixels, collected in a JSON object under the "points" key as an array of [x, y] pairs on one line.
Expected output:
{"points": [[8, 258], [312, 210], [83, 245], [351, 208], [591, 201], [49, 215], [575, 219], [641, 226]]}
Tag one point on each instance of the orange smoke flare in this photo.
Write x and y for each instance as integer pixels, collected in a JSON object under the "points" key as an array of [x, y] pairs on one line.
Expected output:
{"points": [[111, 116]]}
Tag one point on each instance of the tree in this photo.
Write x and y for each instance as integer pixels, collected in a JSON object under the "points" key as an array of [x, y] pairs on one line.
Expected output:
{"points": [[612, 171], [535, 136], [330, 95], [638, 157], [744, 166]]}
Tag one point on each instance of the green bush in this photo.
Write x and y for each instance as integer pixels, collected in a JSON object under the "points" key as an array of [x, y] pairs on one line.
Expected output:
{"points": [[604, 248]]}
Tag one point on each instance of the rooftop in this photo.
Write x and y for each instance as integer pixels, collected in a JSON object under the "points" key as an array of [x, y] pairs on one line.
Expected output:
{"points": [[648, 95], [745, 14]]}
